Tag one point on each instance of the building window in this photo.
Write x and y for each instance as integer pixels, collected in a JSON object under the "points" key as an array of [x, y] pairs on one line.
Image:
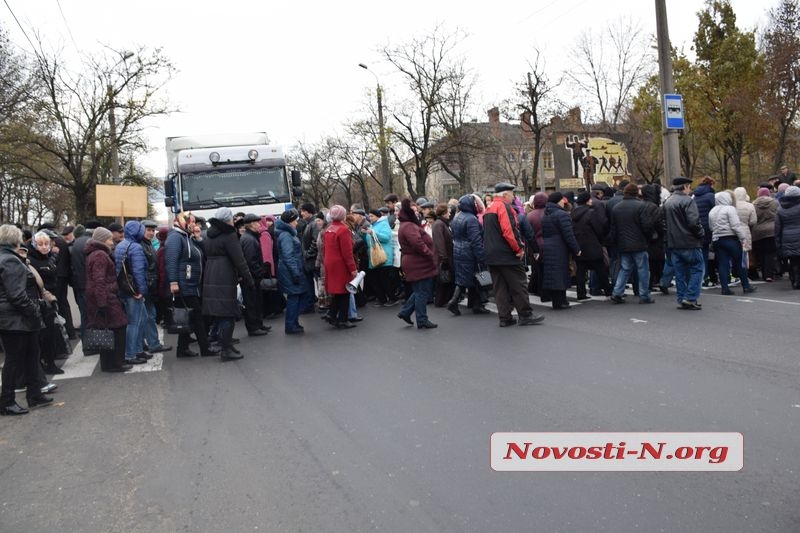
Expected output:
{"points": [[526, 155], [547, 160]]}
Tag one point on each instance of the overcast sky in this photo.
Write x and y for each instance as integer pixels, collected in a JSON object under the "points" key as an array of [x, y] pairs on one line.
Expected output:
{"points": [[291, 68]]}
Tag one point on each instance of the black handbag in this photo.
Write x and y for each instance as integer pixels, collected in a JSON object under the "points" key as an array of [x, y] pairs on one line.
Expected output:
{"points": [[445, 275], [97, 340], [180, 319]]}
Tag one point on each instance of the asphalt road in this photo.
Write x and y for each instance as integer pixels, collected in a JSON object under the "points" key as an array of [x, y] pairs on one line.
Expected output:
{"points": [[386, 427]]}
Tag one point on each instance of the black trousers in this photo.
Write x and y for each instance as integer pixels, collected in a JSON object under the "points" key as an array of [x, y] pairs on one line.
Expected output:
{"points": [[341, 304], [599, 266], [253, 308], [114, 358], [22, 358], [64, 308]]}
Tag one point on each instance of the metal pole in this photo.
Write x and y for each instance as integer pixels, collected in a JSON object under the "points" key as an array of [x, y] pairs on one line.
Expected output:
{"points": [[112, 127], [672, 161], [386, 176]]}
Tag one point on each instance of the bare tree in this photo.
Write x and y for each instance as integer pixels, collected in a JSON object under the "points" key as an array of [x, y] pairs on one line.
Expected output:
{"points": [[535, 97], [426, 65], [781, 49], [316, 163], [71, 146], [609, 68]]}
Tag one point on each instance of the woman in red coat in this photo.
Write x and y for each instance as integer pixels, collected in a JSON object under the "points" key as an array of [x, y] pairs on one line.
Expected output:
{"points": [[419, 266], [340, 266], [103, 307]]}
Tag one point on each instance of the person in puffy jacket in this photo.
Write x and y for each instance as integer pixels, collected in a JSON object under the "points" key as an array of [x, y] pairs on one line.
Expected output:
{"points": [[763, 233], [468, 255], [103, 306], [729, 238], [129, 255], [183, 270], [20, 323], [787, 232], [705, 200], [419, 266], [225, 266], [291, 277]]}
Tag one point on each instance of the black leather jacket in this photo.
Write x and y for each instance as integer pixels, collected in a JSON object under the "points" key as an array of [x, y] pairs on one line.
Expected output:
{"points": [[684, 229], [19, 295]]}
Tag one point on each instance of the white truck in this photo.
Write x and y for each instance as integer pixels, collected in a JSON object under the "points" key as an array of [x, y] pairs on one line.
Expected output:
{"points": [[242, 172]]}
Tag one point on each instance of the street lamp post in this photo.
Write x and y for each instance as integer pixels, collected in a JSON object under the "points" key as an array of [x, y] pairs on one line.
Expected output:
{"points": [[387, 177], [112, 123]]}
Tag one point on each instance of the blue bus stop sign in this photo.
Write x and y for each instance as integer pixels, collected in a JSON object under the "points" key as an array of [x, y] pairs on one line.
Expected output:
{"points": [[673, 111]]}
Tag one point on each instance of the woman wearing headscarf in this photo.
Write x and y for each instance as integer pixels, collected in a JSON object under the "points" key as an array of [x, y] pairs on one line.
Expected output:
{"points": [[183, 267], [103, 306], [559, 242], [419, 266], [291, 277], [340, 266], [468, 255], [225, 266], [20, 322], [443, 248], [763, 233]]}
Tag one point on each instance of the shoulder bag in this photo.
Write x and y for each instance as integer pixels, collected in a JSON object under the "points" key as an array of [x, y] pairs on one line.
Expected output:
{"points": [[484, 278], [377, 255], [179, 319], [125, 281]]}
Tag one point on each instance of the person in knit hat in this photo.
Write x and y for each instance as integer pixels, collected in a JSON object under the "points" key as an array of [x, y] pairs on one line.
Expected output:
{"points": [[787, 232], [103, 305]]}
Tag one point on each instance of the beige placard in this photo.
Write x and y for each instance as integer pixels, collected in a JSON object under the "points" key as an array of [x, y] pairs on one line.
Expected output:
{"points": [[121, 201]]}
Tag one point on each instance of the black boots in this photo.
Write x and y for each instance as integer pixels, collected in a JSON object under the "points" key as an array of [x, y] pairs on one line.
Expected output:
{"points": [[226, 340], [452, 305]]}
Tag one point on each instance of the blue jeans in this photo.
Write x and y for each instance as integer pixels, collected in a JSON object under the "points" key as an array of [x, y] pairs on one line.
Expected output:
{"points": [[729, 250], [689, 268], [352, 312], [627, 261], [134, 334], [150, 328], [422, 291]]}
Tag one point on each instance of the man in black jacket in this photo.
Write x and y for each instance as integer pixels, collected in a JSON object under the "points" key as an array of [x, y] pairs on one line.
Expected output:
{"points": [[685, 243], [630, 231], [251, 248]]}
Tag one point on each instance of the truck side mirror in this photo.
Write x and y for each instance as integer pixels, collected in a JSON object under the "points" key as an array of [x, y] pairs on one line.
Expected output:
{"points": [[296, 181], [169, 193], [297, 192]]}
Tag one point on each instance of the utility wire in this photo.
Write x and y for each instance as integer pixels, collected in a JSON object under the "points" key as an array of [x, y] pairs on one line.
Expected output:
{"points": [[69, 30]]}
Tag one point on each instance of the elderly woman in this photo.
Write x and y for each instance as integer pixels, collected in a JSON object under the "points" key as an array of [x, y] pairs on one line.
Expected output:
{"points": [[183, 266], [103, 306], [20, 322], [41, 258], [291, 277], [340, 266], [443, 248], [468, 255], [225, 265], [419, 266], [787, 233], [729, 236]]}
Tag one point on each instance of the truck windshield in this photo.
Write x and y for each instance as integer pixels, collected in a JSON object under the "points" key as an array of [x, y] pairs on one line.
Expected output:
{"points": [[229, 187]]}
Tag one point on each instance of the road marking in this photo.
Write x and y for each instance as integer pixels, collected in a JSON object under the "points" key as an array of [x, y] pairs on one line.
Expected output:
{"points": [[78, 365], [638, 321]]}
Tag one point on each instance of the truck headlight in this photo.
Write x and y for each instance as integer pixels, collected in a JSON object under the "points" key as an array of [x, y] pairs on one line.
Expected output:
{"points": [[252, 154], [214, 157]]}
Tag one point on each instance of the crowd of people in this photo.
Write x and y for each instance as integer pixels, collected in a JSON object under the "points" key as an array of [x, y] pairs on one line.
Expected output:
{"points": [[416, 253]]}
